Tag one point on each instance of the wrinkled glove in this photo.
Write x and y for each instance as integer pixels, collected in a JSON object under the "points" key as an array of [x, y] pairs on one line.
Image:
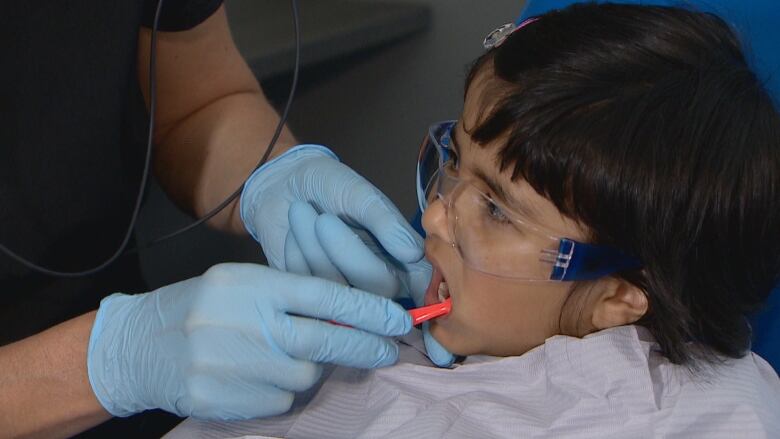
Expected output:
{"points": [[234, 342], [323, 245], [312, 173]]}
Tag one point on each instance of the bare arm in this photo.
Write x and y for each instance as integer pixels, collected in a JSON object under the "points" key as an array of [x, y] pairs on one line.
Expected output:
{"points": [[213, 121], [45, 388]]}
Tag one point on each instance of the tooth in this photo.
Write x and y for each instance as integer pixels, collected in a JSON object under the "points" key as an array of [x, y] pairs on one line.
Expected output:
{"points": [[444, 291]]}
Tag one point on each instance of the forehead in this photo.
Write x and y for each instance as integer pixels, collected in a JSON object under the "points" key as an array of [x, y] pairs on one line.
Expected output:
{"points": [[481, 97], [483, 93]]}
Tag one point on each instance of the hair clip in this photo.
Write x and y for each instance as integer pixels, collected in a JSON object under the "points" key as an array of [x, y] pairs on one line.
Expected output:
{"points": [[497, 37]]}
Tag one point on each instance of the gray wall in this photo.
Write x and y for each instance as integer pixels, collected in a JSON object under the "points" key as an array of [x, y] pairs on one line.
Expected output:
{"points": [[372, 109]]}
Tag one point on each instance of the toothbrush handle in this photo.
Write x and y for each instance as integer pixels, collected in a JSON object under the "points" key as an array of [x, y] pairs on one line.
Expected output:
{"points": [[425, 313], [421, 314]]}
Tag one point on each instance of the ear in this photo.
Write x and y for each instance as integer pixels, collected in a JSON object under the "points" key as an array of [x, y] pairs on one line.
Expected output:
{"points": [[618, 303]]}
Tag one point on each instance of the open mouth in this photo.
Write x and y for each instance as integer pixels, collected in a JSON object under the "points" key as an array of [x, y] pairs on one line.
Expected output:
{"points": [[437, 291]]}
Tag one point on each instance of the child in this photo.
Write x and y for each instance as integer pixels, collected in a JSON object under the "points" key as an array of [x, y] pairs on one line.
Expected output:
{"points": [[603, 214], [637, 128]]}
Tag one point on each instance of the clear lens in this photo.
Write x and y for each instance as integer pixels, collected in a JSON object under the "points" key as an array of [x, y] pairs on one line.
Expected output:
{"points": [[427, 166], [490, 241], [433, 153], [488, 237]]}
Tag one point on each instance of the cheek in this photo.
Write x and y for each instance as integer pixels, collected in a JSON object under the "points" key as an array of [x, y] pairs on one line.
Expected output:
{"points": [[504, 317]]}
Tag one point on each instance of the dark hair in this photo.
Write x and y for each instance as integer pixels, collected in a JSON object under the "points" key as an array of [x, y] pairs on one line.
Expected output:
{"points": [[646, 125]]}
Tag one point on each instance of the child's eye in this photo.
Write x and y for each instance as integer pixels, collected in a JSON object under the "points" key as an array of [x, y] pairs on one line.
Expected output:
{"points": [[453, 157], [495, 213], [451, 163]]}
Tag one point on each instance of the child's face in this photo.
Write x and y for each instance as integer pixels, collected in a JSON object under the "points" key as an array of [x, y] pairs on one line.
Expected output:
{"points": [[492, 315]]}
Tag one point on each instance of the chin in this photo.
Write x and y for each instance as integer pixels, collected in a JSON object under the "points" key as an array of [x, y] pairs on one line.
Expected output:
{"points": [[451, 339]]}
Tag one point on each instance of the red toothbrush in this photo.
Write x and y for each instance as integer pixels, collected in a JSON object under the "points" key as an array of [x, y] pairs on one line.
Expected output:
{"points": [[423, 313]]}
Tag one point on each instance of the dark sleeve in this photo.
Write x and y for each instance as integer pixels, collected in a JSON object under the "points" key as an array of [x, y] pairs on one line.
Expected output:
{"points": [[178, 15]]}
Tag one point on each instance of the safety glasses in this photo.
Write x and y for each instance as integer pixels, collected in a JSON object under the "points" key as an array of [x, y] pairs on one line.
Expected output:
{"points": [[495, 240]]}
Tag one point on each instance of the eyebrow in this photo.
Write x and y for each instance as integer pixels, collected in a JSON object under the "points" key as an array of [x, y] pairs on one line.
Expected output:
{"points": [[504, 197], [494, 185]]}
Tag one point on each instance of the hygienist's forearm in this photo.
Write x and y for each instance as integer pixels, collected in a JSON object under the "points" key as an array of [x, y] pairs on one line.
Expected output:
{"points": [[212, 121], [208, 155], [44, 388]]}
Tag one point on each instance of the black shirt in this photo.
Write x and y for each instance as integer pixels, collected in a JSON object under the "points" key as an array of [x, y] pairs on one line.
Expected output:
{"points": [[73, 129]]}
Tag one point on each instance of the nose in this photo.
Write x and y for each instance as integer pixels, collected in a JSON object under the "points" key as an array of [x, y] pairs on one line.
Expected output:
{"points": [[434, 220]]}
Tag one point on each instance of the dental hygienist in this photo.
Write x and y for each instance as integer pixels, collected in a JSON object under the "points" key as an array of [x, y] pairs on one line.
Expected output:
{"points": [[236, 342]]}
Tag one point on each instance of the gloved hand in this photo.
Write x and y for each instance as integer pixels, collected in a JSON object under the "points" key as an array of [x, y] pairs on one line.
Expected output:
{"points": [[312, 173], [323, 245], [233, 343]]}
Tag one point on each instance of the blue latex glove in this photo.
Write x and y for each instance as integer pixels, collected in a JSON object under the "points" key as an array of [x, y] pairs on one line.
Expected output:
{"points": [[324, 246], [232, 343], [312, 173]]}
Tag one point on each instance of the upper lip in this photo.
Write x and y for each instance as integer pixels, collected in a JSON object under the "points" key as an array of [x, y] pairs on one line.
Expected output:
{"points": [[433, 261], [435, 264]]}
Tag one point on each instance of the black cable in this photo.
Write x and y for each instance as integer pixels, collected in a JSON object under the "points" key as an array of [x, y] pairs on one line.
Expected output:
{"points": [[145, 175]]}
